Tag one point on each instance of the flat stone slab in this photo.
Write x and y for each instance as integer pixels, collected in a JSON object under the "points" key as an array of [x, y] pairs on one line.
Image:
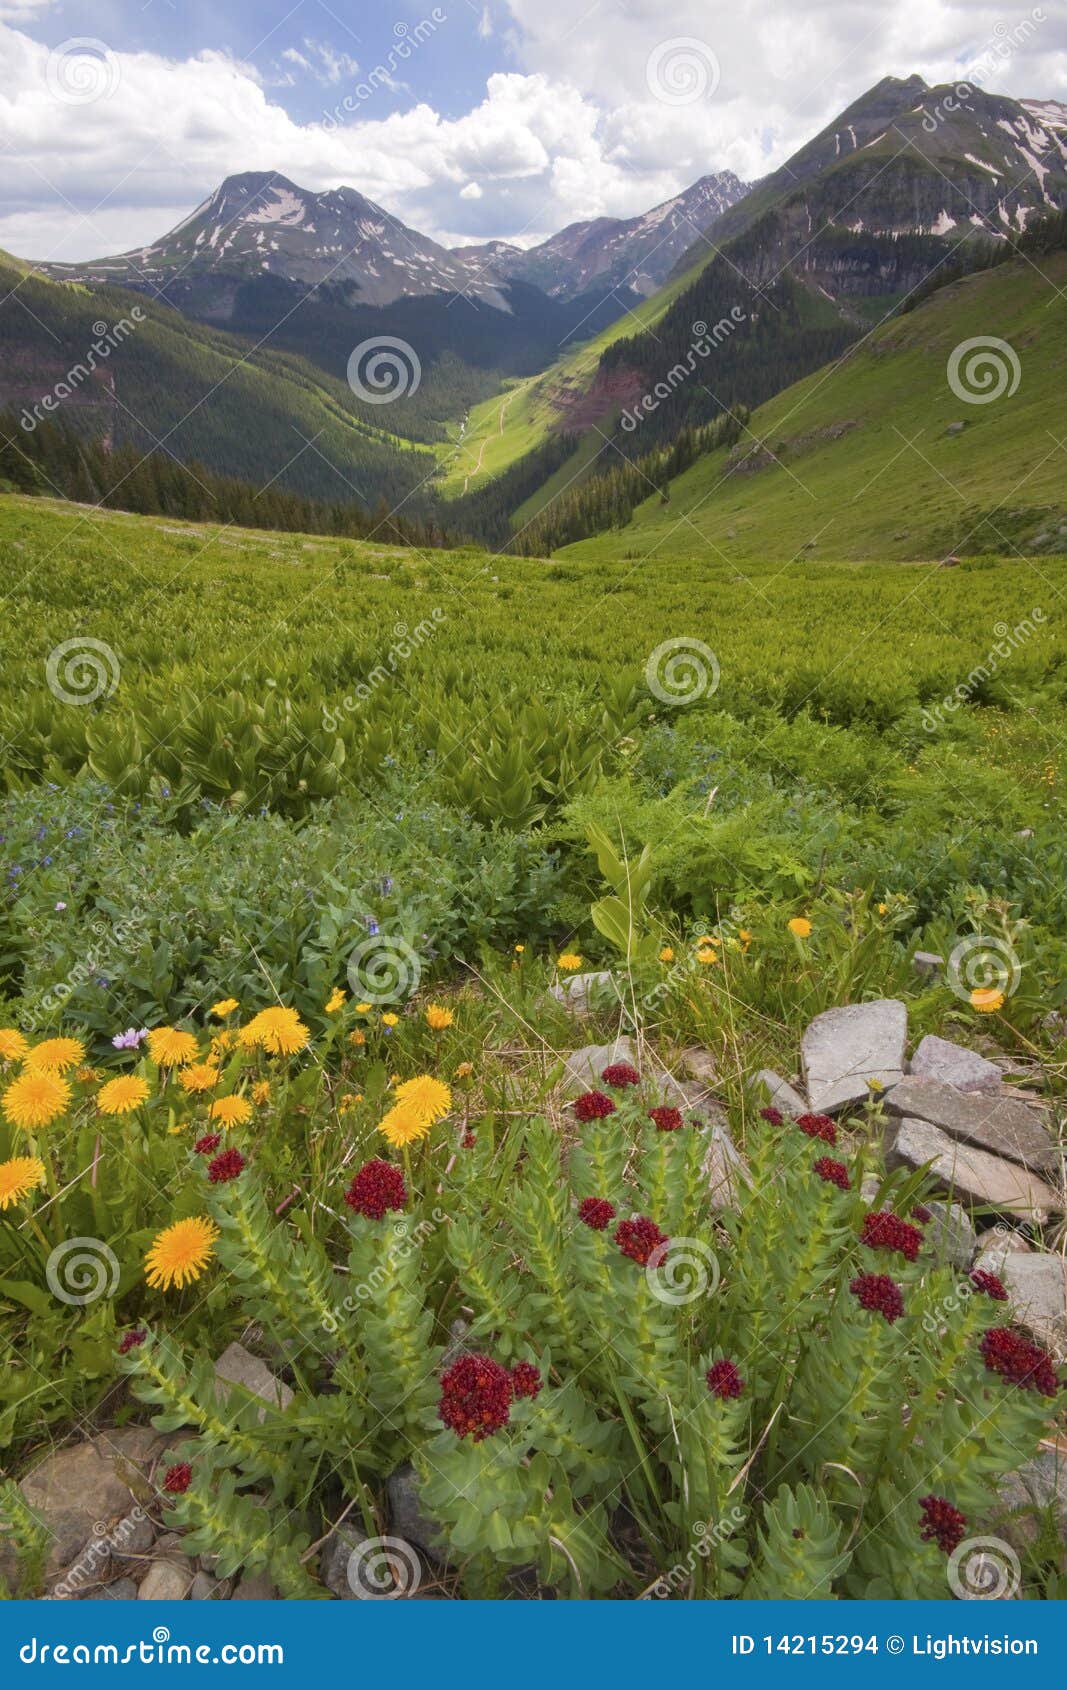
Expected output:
{"points": [[954, 1065], [770, 1088], [1036, 1284], [582, 993], [1000, 1125], [584, 1067], [970, 1173], [238, 1366], [950, 1235], [844, 1048]]}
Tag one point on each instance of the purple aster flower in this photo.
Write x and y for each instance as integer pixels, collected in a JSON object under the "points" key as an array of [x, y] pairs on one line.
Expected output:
{"points": [[61, 906], [130, 1039]]}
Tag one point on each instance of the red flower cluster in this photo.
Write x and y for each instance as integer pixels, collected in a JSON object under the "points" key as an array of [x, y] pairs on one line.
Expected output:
{"points": [[178, 1478], [921, 1214], [878, 1292], [596, 1212], [667, 1118], [210, 1141], [620, 1074], [639, 1238], [818, 1126], [989, 1284], [724, 1380], [130, 1340], [378, 1186], [593, 1106], [941, 1523], [1018, 1361], [834, 1173], [774, 1116], [476, 1395], [468, 1141], [882, 1230], [226, 1166], [525, 1379]]}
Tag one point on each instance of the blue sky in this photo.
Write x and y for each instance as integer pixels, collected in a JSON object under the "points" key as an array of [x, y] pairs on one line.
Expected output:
{"points": [[470, 119]]}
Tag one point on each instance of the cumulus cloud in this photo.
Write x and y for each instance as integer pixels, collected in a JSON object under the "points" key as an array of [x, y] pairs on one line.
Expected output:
{"points": [[609, 111]]}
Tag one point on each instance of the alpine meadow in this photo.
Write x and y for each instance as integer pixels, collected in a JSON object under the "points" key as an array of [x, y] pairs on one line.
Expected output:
{"points": [[533, 864]]}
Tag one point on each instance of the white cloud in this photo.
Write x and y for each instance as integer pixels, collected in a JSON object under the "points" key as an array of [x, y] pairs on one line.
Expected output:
{"points": [[574, 132]]}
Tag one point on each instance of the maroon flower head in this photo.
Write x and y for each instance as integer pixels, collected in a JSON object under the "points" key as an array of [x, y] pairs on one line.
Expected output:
{"points": [[210, 1141], [921, 1214], [724, 1380], [774, 1116], [834, 1173], [818, 1126], [878, 1292], [882, 1230], [941, 1523], [378, 1186], [667, 1118], [1018, 1361], [226, 1166], [178, 1478], [130, 1340], [639, 1238], [468, 1141], [525, 1379], [619, 1074], [989, 1285], [596, 1212], [593, 1106], [476, 1395]]}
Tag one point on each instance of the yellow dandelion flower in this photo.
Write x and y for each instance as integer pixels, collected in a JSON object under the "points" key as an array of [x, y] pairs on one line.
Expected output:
{"points": [[277, 1030], [745, 936], [36, 1098], [801, 926], [199, 1076], [667, 954], [987, 999], [171, 1048], [334, 1001], [402, 1126], [706, 954], [13, 1046], [464, 1070], [363, 1009], [706, 939], [519, 949], [180, 1253], [122, 1095], [390, 1020], [261, 1091], [427, 1099], [87, 1076], [56, 1055], [231, 1111], [224, 1007], [358, 1037], [570, 960], [224, 1041], [883, 909], [438, 1018], [19, 1176]]}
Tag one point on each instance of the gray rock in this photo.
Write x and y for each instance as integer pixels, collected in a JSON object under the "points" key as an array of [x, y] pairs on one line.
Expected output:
{"points": [[585, 1066], [955, 428], [954, 1065], [927, 963], [1036, 1284], [583, 993], [1000, 1125], [995, 1245], [79, 1493], [771, 1087], [165, 1581], [844, 1048], [337, 1552], [255, 1587], [950, 1235], [970, 1173], [407, 1519], [723, 1166], [700, 1064], [206, 1589], [1045, 1479], [121, 1590], [134, 1535], [238, 1366]]}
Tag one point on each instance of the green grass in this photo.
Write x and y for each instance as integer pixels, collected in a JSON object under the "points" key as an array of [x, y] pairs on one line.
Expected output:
{"points": [[865, 467]]}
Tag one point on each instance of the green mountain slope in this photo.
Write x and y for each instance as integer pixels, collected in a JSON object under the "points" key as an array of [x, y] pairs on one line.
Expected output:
{"points": [[877, 456]]}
